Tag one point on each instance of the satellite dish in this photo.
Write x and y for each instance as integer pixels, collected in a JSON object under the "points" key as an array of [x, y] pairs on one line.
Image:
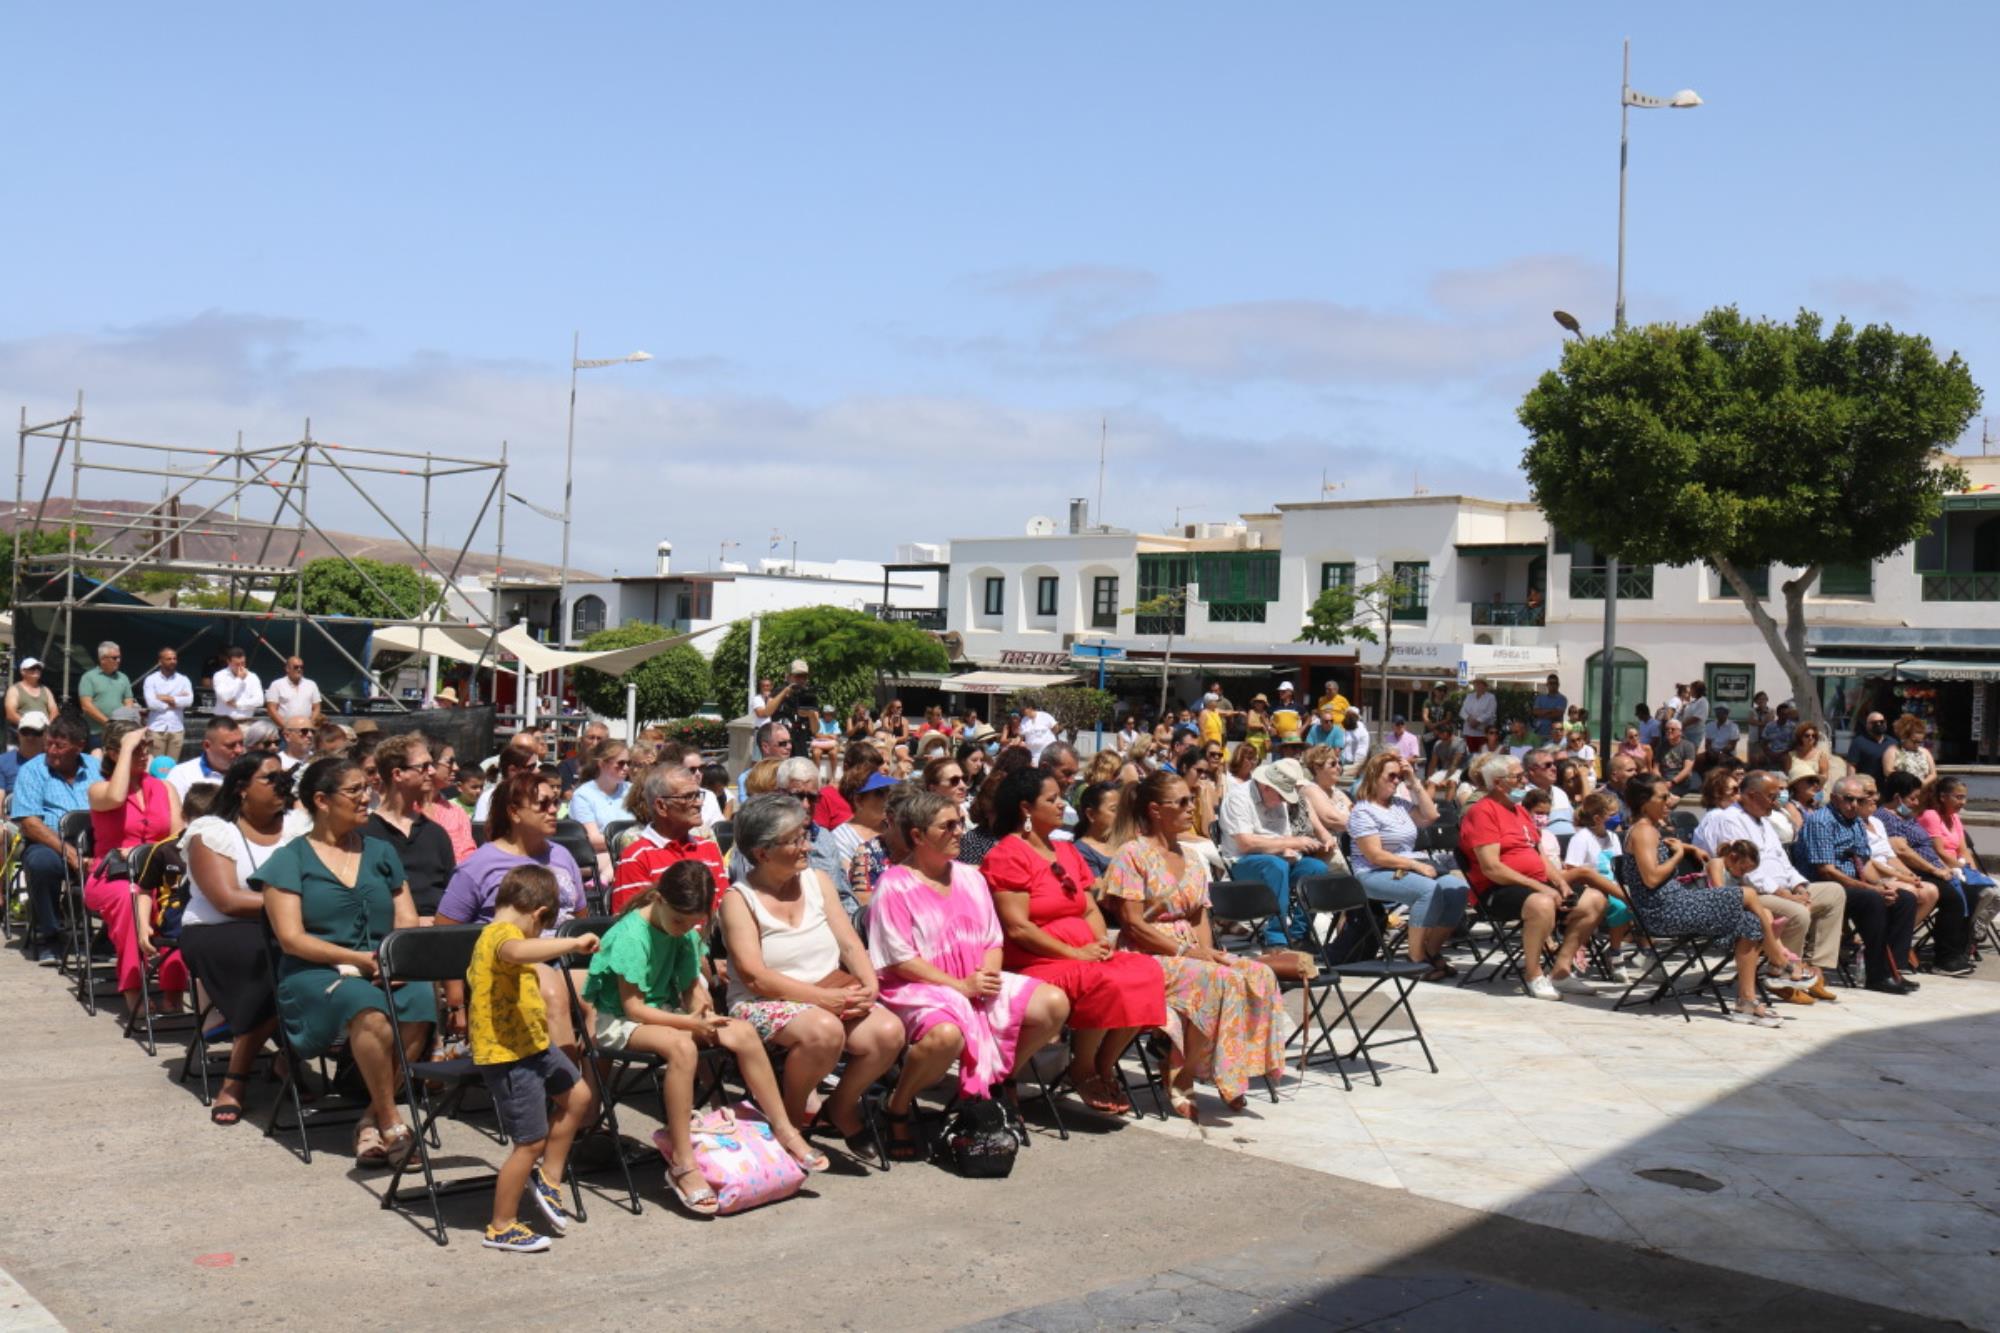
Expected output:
{"points": [[1041, 526]]}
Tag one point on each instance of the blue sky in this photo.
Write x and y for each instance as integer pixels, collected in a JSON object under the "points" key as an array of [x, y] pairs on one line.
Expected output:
{"points": [[897, 262]]}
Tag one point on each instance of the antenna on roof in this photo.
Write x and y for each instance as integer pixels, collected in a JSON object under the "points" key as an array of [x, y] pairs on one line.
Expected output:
{"points": [[1417, 486]]}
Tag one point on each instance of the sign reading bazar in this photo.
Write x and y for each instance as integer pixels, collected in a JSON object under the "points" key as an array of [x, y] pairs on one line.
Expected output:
{"points": [[1023, 658]]}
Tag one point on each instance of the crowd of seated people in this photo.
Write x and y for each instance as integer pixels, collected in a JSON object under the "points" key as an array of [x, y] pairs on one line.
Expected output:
{"points": [[876, 924]]}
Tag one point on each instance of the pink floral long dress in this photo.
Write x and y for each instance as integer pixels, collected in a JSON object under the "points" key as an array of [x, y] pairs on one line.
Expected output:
{"points": [[1236, 1004]]}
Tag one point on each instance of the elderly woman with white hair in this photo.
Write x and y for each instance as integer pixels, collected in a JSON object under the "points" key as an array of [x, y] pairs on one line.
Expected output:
{"points": [[798, 972], [1513, 879]]}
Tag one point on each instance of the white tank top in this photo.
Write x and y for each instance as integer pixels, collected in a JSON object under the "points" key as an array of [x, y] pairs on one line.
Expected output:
{"points": [[806, 952]]}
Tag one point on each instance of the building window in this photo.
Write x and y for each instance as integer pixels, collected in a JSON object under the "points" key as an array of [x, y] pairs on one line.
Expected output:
{"points": [[1104, 603], [1336, 574], [1045, 596], [1847, 580], [1164, 577], [586, 615], [1413, 590], [1757, 577], [996, 596], [695, 601]]}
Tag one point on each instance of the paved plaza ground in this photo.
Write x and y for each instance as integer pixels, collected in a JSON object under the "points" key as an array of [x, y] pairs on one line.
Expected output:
{"points": [[1855, 1157]]}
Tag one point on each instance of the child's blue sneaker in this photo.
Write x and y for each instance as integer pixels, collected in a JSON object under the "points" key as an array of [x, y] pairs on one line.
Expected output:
{"points": [[550, 1198], [516, 1238]]}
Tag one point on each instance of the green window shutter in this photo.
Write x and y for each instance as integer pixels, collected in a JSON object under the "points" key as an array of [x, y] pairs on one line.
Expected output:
{"points": [[1847, 580]]}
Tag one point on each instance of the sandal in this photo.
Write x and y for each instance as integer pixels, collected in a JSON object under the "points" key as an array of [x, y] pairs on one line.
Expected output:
{"points": [[1097, 1096], [397, 1142], [903, 1145], [369, 1150], [701, 1201], [1181, 1105], [860, 1144], [814, 1161], [225, 1113]]}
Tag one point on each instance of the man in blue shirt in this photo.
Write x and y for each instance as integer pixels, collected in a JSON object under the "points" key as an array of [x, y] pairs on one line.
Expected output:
{"points": [[49, 786], [1833, 844], [1550, 708]]}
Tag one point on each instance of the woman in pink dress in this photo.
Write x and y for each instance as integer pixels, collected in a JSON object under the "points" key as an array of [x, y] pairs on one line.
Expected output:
{"points": [[1055, 933], [936, 944], [129, 808]]}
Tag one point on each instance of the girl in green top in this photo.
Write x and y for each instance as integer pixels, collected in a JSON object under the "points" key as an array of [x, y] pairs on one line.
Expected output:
{"points": [[647, 995]]}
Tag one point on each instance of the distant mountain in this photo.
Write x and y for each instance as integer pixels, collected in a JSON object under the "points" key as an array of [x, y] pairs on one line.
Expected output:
{"points": [[218, 540]]}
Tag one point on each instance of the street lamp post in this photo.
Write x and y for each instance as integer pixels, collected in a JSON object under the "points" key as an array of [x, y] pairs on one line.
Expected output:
{"points": [[576, 363], [1608, 660]]}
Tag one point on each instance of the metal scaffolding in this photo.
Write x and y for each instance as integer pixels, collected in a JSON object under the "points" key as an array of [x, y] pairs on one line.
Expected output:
{"points": [[155, 538]]}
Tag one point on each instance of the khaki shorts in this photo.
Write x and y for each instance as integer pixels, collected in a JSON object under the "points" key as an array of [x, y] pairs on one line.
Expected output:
{"points": [[612, 1031]]}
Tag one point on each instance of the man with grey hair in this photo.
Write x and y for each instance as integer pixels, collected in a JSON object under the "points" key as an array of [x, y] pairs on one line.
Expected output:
{"points": [[1806, 913], [1061, 762], [1675, 759], [1834, 843], [671, 797], [1513, 880], [104, 689]]}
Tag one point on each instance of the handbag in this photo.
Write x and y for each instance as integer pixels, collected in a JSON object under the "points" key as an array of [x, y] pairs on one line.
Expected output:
{"points": [[740, 1158], [977, 1141]]}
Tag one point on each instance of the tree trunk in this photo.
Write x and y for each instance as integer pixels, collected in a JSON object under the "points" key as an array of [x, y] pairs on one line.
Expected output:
{"points": [[1166, 666], [1788, 642]]}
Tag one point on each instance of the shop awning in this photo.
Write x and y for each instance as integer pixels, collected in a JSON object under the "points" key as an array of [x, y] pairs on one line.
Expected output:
{"points": [[1004, 682], [1853, 666], [1529, 549], [1944, 668]]}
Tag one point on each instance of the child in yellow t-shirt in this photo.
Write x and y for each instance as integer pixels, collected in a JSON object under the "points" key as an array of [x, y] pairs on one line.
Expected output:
{"points": [[507, 1022]]}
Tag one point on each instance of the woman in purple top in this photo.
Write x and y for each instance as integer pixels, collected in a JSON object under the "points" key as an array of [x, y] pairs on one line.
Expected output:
{"points": [[520, 833]]}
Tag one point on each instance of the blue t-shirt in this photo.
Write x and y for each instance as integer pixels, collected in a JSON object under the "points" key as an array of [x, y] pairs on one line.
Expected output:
{"points": [[1393, 824], [10, 769], [1558, 702], [588, 804]]}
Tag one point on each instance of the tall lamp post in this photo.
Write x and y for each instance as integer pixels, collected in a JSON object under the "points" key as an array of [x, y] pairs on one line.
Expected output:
{"points": [[1607, 671], [576, 363]]}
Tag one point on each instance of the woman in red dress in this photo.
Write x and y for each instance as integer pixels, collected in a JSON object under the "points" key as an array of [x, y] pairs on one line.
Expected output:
{"points": [[1055, 934]]}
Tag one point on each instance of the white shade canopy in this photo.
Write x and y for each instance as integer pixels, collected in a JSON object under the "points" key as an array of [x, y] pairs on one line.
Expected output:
{"points": [[467, 643]]}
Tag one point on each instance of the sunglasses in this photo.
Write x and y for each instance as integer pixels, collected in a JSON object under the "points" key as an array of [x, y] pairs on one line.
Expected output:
{"points": [[547, 803], [950, 827]]}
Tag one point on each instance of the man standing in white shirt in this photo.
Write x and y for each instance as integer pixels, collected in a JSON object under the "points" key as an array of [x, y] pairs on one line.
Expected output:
{"points": [[1355, 750], [292, 695], [169, 695], [1480, 709], [239, 695], [1038, 732]]}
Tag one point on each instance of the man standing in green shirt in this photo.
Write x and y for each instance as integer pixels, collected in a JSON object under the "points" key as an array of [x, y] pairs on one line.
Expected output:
{"points": [[104, 689]]}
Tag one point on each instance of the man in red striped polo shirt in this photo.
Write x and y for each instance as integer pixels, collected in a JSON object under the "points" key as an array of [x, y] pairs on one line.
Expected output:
{"points": [[673, 795]]}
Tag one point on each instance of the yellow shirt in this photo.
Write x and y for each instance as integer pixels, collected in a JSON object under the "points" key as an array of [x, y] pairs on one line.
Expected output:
{"points": [[1340, 707], [505, 1017], [1211, 725]]}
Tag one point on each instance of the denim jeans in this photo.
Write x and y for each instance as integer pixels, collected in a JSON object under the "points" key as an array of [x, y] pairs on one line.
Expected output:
{"points": [[1289, 926], [43, 868], [1432, 902]]}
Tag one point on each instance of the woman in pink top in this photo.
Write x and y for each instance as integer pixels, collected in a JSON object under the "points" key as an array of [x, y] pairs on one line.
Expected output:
{"points": [[1939, 816], [129, 808]]}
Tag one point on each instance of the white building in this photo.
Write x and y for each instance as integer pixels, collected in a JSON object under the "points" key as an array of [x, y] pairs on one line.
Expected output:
{"points": [[694, 600], [1493, 588]]}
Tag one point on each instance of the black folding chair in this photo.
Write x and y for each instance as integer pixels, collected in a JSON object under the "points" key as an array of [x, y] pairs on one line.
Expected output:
{"points": [[1252, 902], [82, 928], [329, 1108], [573, 838], [1338, 897], [618, 835], [1672, 958], [157, 869], [724, 831], [427, 955]]}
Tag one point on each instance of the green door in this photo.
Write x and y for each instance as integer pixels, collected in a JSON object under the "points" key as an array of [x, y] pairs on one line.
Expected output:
{"points": [[1628, 689]]}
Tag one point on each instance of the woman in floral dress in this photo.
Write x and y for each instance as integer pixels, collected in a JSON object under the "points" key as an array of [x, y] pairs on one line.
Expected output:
{"points": [[1225, 1016]]}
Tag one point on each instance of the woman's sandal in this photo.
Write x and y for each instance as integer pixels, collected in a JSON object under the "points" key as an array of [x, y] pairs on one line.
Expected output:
{"points": [[397, 1142], [228, 1113], [860, 1144], [702, 1201], [814, 1161], [1181, 1106], [1098, 1096], [369, 1148], [901, 1138]]}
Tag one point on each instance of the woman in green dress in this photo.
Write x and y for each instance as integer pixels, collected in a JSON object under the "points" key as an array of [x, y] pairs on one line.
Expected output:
{"points": [[331, 896]]}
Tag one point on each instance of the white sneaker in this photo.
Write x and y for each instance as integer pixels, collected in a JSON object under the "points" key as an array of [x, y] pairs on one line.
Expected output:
{"points": [[1541, 988], [1623, 975], [1574, 985]]}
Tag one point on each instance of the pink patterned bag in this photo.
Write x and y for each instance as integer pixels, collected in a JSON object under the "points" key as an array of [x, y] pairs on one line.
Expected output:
{"points": [[740, 1158]]}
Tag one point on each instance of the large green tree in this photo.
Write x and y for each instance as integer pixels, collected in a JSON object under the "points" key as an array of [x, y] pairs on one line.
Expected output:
{"points": [[45, 542], [337, 586], [671, 685], [1744, 442], [849, 653]]}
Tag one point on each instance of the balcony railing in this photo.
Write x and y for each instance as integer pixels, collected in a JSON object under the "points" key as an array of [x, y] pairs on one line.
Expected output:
{"points": [[923, 617], [1505, 614], [1236, 613], [1173, 624], [1962, 587], [1634, 585]]}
